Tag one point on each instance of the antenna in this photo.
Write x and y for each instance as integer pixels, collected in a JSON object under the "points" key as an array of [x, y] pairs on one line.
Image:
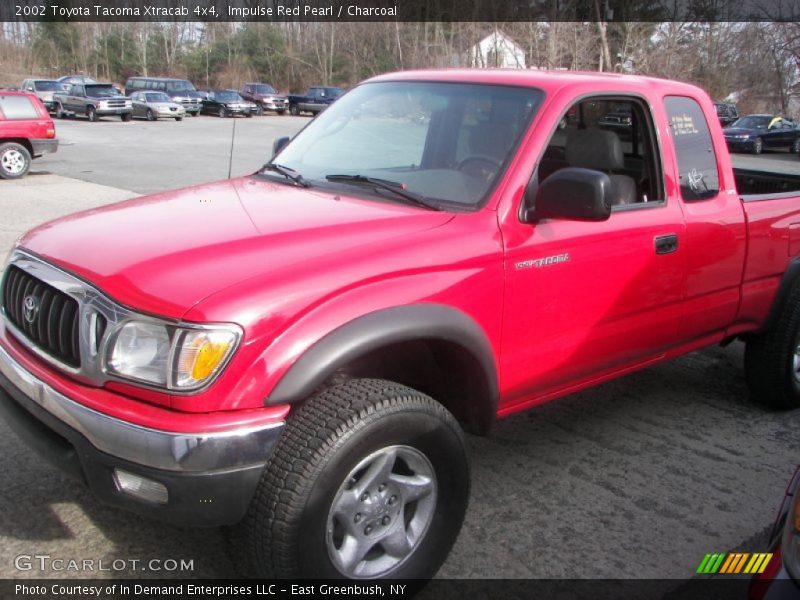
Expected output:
{"points": [[233, 136]]}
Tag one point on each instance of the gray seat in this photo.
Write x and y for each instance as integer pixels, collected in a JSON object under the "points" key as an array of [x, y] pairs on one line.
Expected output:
{"points": [[602, 151]]}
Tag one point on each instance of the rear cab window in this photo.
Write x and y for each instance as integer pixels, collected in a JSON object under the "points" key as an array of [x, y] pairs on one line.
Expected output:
{"points": [[16, 108], [697, 161]]}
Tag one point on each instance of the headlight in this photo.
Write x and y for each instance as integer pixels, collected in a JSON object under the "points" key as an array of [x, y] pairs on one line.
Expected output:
{"points": [[169, 356]]}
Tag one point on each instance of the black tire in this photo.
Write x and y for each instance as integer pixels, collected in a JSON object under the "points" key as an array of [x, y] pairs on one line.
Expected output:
{"points": [[259, 111], [179, 118], [249, 114], [285, 532], [150, 115], [15, 160], [795, 149], [772, 368], [91, 113], [196, 114], [758, 146], [281, 112], [294, 109], [222, 113], [125, 117], [60, 114]]}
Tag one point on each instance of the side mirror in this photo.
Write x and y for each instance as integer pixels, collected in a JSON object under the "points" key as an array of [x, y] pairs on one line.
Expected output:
{"points": [[572, 194], [280, 144]]}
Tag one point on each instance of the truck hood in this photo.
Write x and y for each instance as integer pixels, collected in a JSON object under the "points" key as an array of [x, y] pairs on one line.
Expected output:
{"points": [[163, 254]]}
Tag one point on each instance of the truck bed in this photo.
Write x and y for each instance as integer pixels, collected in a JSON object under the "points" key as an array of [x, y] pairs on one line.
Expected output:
{"points": [[755, 185]]}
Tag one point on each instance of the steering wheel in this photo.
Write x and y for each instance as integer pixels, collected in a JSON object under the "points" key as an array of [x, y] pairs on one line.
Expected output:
{"points": [[479, 165]]}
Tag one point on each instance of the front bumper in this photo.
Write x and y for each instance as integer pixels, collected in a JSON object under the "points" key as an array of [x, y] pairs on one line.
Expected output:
{"points": [[739, 145], [44, 146], [170, 114], [111, 111], [210, 477]]}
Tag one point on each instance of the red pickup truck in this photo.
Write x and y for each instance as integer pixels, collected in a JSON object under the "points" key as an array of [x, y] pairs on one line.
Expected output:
{"points": [[298, 351]]}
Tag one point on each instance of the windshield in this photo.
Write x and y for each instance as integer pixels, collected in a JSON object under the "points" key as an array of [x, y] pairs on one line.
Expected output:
{"points": [[227, 96], [448, 142], [263, 89], [180, 86], [753, 122], [46, 86], [157, 97], [100, 91]]}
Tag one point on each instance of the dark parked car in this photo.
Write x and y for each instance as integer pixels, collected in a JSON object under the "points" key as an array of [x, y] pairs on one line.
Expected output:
{"points": [[226, 103], [619, 118], [316, 99], [264, 97], [780, 580], [727, 113], [181, 91], [755, 133], [43, 89], [26, 132]]}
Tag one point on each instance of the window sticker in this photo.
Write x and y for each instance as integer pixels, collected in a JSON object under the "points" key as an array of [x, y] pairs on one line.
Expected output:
{"points": [[683, 125]]}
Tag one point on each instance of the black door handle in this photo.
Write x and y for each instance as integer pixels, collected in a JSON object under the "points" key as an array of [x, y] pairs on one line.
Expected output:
{"points": [[666, 244]]}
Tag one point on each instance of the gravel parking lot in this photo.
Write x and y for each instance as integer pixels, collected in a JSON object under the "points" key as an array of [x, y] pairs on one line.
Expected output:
{"points": [[638, 478]]}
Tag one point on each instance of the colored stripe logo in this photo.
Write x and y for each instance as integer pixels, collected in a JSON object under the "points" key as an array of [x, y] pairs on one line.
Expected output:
{"points": [[732, 563]]}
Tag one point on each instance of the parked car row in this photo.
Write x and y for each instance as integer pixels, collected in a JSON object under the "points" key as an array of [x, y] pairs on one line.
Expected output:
{"points": [[155, 98]]}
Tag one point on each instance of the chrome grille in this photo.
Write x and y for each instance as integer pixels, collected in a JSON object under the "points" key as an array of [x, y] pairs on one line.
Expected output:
{"points": [[46, 316]]}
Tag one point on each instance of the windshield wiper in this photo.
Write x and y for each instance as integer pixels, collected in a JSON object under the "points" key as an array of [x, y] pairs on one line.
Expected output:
{"points": [[395, 187], [288, 173]]}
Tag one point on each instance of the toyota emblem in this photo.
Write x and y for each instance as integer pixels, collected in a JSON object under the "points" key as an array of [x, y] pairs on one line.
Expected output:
{"points": [[30, 306]]}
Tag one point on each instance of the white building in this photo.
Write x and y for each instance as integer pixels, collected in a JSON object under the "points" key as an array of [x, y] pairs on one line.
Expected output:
{"points": [[497, 51]]}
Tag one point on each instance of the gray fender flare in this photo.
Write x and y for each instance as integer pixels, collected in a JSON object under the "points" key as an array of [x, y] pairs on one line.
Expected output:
{"points": [[788, 280], [381, 328]]}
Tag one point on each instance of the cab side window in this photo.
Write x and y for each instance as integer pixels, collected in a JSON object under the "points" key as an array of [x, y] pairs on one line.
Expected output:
{"points": [[615, 136], [697, 161]]}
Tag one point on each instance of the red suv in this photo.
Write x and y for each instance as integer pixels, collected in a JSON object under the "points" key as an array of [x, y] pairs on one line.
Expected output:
{"points": [[26, 131]]}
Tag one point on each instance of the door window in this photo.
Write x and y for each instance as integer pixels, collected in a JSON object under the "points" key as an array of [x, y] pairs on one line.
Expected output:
{"points": [[614, 135]]}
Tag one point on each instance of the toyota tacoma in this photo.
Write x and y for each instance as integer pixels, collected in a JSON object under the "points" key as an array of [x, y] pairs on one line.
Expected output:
{"points": [[298, 352]]}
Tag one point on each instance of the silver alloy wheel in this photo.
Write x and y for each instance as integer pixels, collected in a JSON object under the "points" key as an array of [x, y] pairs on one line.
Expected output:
{"points": [[796, 363], [13, 161], [381, 512]]}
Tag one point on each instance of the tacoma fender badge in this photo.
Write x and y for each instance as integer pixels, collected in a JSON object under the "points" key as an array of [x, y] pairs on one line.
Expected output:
{"points": [[538, 263]]}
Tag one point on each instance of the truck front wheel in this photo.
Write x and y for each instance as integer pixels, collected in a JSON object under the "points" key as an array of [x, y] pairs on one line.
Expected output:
{"points": [[369, 480], [294, 109], [772, 358]]}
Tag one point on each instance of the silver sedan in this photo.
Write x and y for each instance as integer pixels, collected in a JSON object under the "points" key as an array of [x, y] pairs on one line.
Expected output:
{"points": [[156, 105]]}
